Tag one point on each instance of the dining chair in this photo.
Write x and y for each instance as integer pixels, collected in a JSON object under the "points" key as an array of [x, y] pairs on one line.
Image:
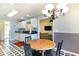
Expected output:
{"points": [[59, 46], [36, 53], [27, 50], [27, 38], [52, 52]]}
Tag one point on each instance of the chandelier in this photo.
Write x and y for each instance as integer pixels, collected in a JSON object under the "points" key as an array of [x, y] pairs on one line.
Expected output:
{"points": [[55, 10]]}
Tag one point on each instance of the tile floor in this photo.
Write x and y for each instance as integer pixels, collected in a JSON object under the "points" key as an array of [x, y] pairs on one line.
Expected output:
{"points": [[11, 50]]}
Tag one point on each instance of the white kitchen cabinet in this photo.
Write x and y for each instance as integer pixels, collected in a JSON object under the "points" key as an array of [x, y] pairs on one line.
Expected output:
{"points": [[34, 36], [17, 36], [34, 22], [21, 36]]}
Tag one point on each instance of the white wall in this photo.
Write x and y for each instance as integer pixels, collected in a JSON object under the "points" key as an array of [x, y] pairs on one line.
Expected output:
{"points": [[14, 27], [1, 30], [70, 22]]}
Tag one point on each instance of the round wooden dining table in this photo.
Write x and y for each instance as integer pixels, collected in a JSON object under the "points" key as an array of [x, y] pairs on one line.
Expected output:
{"points": [[42, 44]]}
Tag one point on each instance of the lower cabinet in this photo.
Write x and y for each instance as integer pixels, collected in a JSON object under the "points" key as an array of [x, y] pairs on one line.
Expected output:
{"points": [[34, 36], [21, 37], [17, 36]]}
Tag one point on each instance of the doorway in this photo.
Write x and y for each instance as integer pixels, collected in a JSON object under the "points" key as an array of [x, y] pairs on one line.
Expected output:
{"points": [[1, 32], [6, 32]]}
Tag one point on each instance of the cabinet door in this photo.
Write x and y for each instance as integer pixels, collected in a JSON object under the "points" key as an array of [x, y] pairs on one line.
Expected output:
{"points": [[34, 36], [17, 36], [22, 37], [34, 22]]}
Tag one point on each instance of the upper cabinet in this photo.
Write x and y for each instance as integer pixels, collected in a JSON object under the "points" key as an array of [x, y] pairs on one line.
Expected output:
{"points": [[28, 23], [22, 24], [34, 22]]}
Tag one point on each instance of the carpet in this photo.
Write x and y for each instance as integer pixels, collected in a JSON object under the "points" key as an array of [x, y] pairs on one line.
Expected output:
{"points": [[19, 44]]}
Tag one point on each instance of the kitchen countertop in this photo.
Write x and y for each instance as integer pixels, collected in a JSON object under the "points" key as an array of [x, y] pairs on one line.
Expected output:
{"points": [[26, 32]]}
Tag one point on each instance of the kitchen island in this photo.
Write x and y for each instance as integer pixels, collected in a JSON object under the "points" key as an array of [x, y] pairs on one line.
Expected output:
{"points": [[20, 35]]}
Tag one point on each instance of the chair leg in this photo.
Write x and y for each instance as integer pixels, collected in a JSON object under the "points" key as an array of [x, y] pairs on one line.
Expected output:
{"points": [[59, 53]]}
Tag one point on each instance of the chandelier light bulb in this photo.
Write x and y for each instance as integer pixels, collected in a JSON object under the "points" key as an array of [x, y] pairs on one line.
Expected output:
{"points": [[49, 6], [57, 13], [49, 14], [44, 11]]}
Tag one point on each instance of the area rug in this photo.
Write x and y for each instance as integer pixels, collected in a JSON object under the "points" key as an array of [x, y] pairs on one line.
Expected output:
{"points": [[19, 44]]}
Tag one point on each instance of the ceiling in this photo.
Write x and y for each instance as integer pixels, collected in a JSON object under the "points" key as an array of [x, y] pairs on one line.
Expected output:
{"points": [[24, 9], [33, 10]]}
